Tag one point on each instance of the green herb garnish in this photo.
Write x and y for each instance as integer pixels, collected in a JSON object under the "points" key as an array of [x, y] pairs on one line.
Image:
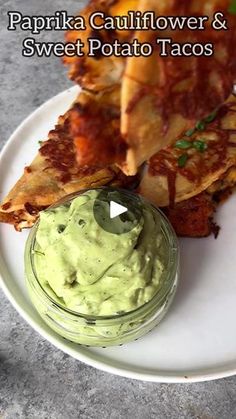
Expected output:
{"points": [[183, 160], [190, 132], [200, 145], [183, 144], [201, 125], [210, 117]]}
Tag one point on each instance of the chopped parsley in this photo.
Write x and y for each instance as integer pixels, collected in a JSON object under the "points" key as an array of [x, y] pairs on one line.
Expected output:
{"points": [[183, 144], [210, 117], [201, 125], [190, 132], [200, 145], [182, 160]]}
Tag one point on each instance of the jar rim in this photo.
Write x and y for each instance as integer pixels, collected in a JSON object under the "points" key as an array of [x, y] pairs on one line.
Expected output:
{"points": [[171, 268]]}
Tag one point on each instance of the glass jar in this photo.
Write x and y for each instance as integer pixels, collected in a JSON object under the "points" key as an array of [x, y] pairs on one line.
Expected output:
{"points": [[108, 330]]}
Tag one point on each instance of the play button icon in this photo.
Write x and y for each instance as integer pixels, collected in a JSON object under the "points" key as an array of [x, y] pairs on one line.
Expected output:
{"points": [[117, 211]]}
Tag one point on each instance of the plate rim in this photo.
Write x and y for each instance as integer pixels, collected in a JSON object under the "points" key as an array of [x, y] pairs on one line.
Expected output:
{"points": [[189, 377]]}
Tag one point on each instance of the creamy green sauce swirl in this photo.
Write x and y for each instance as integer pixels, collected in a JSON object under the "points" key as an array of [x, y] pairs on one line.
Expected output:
{"points": [[91, 271]]}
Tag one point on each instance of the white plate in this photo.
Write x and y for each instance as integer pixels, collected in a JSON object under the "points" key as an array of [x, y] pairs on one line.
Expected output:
{"points": [[197, 339]]}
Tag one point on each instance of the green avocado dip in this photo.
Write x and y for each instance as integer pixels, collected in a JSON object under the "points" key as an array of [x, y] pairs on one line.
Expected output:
{"points": [[91, 271]]}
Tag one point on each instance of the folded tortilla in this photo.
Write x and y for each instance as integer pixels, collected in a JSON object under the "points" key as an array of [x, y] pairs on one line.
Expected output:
{"points": [[136, 109], [193, 164], [53, 174], [159, 97], [162, 97], [99, 73]]}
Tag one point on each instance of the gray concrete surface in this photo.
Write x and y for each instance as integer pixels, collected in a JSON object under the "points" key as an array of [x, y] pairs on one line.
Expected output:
{"points": [[36, 380]]}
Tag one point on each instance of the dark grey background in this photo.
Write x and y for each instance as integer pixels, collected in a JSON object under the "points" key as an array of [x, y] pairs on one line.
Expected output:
{"points": [[36, 380]]}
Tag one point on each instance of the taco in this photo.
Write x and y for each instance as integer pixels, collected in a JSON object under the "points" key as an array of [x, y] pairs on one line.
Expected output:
{"points": [[55, 173], [99, 73], [164, 96], [194, 173]]}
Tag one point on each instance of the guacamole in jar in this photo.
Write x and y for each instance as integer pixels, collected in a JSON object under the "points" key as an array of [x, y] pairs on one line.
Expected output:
{"points": [[91, 271]]}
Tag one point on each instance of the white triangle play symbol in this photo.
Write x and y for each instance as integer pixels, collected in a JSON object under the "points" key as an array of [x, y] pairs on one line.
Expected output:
{"points": [[116, 209]]}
